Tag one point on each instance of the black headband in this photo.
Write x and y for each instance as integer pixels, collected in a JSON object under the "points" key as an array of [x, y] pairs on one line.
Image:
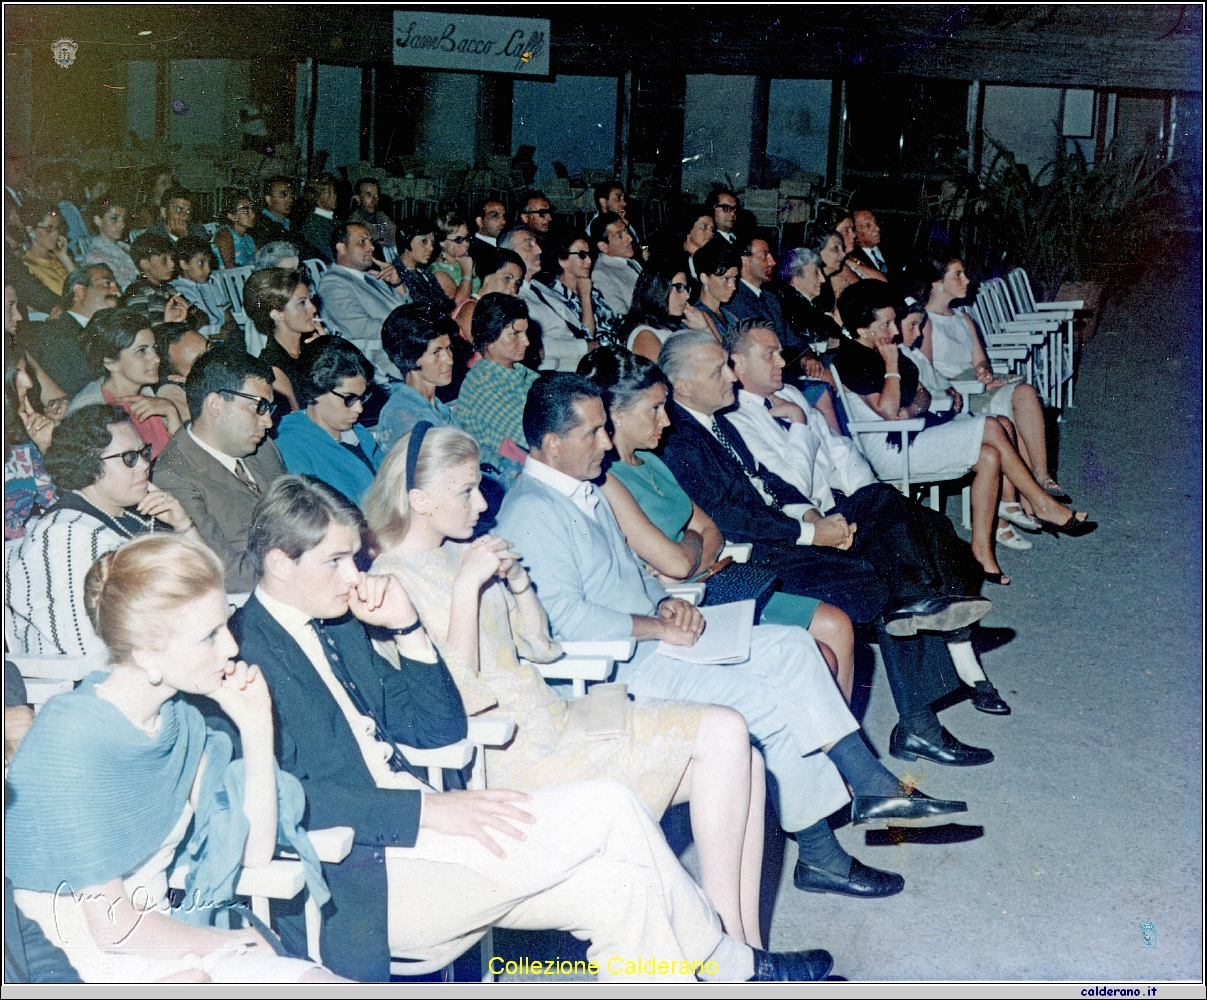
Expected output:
{"points": [[414, 446]]}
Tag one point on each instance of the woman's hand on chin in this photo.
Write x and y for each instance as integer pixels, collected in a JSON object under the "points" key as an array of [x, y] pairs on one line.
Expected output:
{"points": [[243, 695]]}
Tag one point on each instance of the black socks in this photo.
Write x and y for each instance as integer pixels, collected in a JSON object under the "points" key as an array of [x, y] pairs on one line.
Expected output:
{"points": [[923, 723], [862, 771], [817, 846]]}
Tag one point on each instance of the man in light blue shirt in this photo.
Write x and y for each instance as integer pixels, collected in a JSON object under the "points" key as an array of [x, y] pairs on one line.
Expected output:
{"points": [[593, 587]]}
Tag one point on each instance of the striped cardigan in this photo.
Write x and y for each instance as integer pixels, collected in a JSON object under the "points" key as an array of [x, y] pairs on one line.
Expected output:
{"points": [[44, 583]]}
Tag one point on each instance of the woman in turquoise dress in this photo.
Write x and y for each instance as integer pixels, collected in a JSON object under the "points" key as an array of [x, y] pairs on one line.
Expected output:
{"points": [[454, 268], [664, 526]]}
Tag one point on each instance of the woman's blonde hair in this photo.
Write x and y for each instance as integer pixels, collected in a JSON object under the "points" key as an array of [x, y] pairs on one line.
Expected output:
{"points": [[387, 505], [132, 594]]}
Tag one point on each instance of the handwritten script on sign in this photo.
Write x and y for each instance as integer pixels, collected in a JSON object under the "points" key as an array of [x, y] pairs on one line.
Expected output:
{"points": [[470, 42]]}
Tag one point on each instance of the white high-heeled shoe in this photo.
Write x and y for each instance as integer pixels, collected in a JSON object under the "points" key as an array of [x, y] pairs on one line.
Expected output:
{"points": [[1011, 539], [1016, 517]]}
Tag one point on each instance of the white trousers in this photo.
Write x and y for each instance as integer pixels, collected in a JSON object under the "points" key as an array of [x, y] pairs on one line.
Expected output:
{"points": [[791, 704], [595, 864]]}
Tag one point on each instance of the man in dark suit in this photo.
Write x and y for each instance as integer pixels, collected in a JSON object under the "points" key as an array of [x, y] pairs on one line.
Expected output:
{"points": [[490, 220], [754, 300], [812, 554], [583, 856], [868, 249], [221, 463], [58, 344]]}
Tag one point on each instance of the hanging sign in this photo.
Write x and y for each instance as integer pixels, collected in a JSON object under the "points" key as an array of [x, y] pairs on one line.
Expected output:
{"points": [[471, 42]]}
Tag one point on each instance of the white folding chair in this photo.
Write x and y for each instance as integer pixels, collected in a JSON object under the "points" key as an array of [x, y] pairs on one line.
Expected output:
{"points": [[857, 428], [232, 280], [1019, 285]]}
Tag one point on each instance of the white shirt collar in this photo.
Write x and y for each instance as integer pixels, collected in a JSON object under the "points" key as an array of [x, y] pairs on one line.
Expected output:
{"points": [[222, 457], [82, 320], [288, 617], [757, 291], [751, 398], [580, 492], [705, 421], [326, 213], [491, 240]]}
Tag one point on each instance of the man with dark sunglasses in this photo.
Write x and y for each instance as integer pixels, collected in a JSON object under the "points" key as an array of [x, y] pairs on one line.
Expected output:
{"points": [[221, 463]]}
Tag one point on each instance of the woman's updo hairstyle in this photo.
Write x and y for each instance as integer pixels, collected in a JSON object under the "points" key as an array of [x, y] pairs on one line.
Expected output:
{"points": [[387, 505], [623, 376], [133, 595]]}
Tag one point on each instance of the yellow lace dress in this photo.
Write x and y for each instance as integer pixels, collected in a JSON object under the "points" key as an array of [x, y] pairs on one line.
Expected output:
{"points": [[659, 736]]}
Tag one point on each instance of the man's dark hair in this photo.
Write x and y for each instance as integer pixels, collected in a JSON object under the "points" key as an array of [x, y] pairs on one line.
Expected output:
{"points": [[549, 408], [499, 258], [859, 303], [271, 182], [175, 193], [710, 203], [528, 196], [716, 257], [149, 245], [82, 275], [326, 362], [294, 516], [736, 336], [109, 332], [188, 247], [167, 335], [622, 375], [222, 369], [409, 330], [599, 229], [340, 234], [73, 459], [492, 315], [360, 184], [604, 191], [745, 242], [480, 207]]}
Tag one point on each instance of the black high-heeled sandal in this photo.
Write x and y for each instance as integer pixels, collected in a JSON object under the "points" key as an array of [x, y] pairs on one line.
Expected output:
{"points": [[1073, 527]]}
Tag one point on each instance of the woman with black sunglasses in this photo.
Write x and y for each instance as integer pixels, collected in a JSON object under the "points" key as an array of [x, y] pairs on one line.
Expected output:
{"points": [[454, 268], [325, 438], [101, 468]]}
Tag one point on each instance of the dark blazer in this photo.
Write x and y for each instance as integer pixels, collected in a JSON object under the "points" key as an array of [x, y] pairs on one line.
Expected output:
{"points": [[721, 488], [418, 705], [766, 307], [58, 346], [218, 501], [484, 256], [895, 269]]}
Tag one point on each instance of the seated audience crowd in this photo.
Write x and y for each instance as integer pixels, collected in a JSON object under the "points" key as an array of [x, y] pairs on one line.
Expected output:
{"points": [[430, 461]]}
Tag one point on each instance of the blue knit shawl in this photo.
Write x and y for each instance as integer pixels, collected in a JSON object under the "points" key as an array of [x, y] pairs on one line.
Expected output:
{"points": [[91, 797]]}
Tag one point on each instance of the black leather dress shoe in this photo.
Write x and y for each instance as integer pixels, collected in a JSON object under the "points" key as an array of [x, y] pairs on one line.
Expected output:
{"points": [[791, 966], [934, 614], [902, 810], [863, 880], [986, 699], [907, 746]]}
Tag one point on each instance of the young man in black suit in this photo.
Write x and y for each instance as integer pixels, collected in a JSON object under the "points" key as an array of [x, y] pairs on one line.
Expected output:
{"points": [[429, 872]]}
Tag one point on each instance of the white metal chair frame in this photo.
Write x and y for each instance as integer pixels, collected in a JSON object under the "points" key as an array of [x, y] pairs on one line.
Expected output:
{"points": [[860, 427]]}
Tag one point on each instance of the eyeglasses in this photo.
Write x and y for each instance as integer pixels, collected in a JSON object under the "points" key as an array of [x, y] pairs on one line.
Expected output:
{"points": [[350, 400], [678, 286], [726, 208], [456, 239], [538, 211], [263, 405], [580, 254], [130, 458]]}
